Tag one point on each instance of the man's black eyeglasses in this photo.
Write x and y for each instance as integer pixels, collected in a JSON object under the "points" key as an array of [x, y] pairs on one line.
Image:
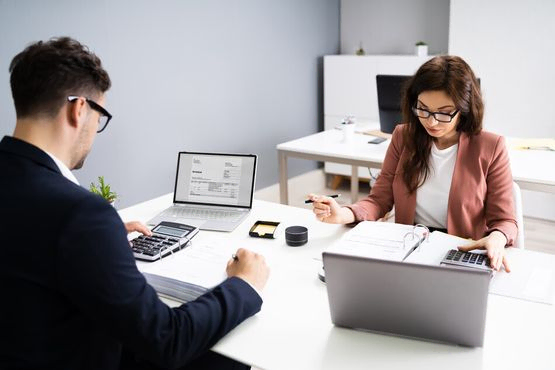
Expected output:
{"points": [[439, 116], [105, 116]]}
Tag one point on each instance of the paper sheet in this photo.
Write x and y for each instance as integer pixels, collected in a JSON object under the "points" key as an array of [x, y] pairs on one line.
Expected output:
{"points": [[432, 251], [201, 264], [383, 240], [532, 277]]}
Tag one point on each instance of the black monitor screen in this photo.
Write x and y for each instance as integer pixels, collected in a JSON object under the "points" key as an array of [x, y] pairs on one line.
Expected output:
{"points": [[389, 100]]}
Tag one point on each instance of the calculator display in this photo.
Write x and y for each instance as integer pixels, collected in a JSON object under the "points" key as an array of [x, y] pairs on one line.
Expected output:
{"points": [[171, 231]]}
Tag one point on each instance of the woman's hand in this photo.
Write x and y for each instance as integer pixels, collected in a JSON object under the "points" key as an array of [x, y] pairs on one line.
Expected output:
{"points": [[494, 244], [328, 210], [137, 226]]}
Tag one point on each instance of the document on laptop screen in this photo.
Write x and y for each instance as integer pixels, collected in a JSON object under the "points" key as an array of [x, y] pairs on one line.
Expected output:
{"points": [[215, 178]]}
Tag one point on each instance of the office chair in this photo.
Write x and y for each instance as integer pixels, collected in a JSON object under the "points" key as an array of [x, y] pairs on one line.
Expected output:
{"points": [[517, 200], [389, 100]]}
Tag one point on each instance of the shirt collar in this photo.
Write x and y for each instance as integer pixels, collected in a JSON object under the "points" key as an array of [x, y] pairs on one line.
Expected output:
{"points": [[63, 169]]}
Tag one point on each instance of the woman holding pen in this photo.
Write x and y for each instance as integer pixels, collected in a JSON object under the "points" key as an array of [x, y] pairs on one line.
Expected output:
{"points": [[441, 169]]}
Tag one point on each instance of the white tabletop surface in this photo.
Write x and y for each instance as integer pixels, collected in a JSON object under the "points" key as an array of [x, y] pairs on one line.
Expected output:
{"points": [[537, 166], [330, 143], [294, 330], [528, 166]]}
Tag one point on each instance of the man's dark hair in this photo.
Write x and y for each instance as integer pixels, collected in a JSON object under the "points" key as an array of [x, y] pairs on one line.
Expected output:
{"points": [[45, 73]]}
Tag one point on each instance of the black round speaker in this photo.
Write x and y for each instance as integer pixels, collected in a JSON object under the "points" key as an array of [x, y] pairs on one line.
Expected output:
{"points": [[295, 236]]}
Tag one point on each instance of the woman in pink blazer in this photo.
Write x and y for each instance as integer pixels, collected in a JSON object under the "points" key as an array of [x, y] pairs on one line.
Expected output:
{"points": [[441, 169]]}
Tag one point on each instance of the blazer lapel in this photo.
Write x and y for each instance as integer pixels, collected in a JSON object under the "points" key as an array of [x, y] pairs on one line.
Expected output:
{"points": [[405, 203], [454, 190], [24, 149]]}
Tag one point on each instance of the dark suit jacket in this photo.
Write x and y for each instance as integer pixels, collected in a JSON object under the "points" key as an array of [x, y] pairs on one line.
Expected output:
{"points": [[72, 296], [481, 194]]}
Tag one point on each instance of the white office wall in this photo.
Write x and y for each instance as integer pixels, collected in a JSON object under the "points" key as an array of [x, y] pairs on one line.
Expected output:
{"points": [[394, 26], [510, 44], [211, 75]]}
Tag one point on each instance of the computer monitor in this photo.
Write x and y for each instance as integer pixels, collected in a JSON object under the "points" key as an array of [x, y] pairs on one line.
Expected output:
{"points": [[389, 100]]}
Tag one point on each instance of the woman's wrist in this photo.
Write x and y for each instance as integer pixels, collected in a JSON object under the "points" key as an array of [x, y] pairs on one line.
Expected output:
{"points": [[499, 236], [347, 215]]}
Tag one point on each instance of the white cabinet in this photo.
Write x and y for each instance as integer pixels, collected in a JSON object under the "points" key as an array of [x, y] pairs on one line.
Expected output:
{"points": [[350, 89]]}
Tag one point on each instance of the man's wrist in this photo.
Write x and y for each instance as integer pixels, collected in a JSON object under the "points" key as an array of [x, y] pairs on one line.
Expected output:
{"points": [[250, 284]]}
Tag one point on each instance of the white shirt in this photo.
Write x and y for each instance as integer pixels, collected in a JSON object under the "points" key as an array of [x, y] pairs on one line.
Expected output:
{"points": [[63, 169], [432, 197]]}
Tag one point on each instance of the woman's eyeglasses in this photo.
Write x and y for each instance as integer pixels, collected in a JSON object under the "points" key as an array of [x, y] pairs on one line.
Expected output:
{"points": [[439, 116]]}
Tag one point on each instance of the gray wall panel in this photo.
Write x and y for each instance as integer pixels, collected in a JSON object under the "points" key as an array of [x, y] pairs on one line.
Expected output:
{"points": [[215, 75], [394, 26]]}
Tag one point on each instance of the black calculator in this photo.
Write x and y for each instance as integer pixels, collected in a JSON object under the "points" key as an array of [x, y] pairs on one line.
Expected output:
{"points": [[166, 238], [467, 259]]}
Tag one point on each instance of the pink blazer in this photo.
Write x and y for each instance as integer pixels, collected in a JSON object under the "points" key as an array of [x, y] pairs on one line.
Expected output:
{"points": [[480, 198]]}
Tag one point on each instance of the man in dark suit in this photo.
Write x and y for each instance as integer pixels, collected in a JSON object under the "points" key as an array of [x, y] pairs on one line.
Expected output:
{"points": [[72, 295]]}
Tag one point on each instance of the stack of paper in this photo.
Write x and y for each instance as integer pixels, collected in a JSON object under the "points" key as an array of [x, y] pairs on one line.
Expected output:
{"points": [[190, 272]]}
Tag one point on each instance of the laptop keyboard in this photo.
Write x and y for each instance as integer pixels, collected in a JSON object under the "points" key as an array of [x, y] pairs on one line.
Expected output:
{"points": [[205, 214]]}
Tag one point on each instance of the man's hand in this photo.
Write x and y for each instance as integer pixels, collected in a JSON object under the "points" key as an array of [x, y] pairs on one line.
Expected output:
{"points": [[137, 226], [250, 267]]}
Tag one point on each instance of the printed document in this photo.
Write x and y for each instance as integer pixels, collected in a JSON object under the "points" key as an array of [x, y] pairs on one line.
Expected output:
{"points": [[213, 179], [383, 240], [190, 272]]}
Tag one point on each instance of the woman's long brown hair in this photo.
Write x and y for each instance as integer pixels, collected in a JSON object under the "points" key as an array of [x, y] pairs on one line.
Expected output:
{"points": [[445, 73]]}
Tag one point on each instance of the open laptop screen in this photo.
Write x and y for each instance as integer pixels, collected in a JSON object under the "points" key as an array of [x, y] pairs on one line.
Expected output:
{"points": [[215, 179]]}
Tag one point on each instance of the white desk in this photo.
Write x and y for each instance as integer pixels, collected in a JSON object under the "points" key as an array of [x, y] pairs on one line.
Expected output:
{"points": [[328, 146], [294, 331], [532, 169]]}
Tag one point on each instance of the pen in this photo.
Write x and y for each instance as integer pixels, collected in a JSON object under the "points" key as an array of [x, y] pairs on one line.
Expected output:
{"points": [[331, 196]]}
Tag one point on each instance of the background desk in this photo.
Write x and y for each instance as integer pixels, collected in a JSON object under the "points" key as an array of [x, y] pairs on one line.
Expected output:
{"points": [[294, 330], [328, 146], [532, 169]]}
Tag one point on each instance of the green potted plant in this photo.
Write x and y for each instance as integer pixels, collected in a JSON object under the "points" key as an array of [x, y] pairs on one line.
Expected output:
{"points": [[103, 190], [360, 50], [421, 48]]}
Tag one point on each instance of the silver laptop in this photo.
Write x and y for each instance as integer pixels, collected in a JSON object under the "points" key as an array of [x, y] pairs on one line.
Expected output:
{"points": [[212, 191], [437, 303]]}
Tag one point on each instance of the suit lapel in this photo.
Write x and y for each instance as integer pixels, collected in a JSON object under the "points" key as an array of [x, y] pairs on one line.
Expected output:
{"points": [[24, 149]]}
